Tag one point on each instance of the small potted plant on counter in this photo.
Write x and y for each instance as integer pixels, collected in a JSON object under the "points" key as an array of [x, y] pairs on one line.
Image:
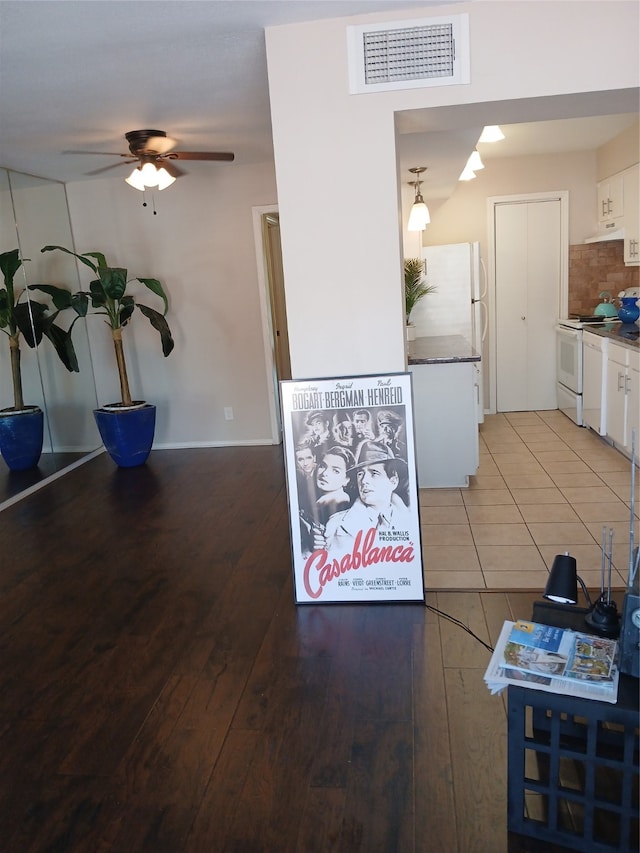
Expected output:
{"points": [[126, 427], [414, 290], [22, 425]]}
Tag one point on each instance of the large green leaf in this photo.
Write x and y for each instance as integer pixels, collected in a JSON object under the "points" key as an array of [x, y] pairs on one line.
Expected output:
{"points": [[160, 324], [127, 307], [113, 281], [80, 303], [5, 311], [10, 263], [154, 285], [84, 258], [63, 344], [60, 297], [98, 297], [31, 331]]}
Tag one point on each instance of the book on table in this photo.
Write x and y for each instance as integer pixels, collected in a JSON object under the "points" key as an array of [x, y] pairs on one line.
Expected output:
{"points": [[556, 660]]}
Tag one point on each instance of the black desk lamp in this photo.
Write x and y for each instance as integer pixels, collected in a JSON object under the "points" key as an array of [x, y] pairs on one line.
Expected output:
{"points": [[562, 587], [562, 583]]}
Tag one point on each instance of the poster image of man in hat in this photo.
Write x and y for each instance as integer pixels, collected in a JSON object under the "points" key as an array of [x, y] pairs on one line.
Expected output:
{"points": [[318, 434], [378, 474], [390, 425]]}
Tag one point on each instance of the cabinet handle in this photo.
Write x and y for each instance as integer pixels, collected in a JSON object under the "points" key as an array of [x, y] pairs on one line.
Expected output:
{"points": [[621, 381], [604, 212], [627, 385], [608, 206]]}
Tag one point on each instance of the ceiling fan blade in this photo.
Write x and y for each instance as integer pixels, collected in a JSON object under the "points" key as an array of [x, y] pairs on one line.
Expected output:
{"points": [[201, 155], [103, 153], [112, 166]]}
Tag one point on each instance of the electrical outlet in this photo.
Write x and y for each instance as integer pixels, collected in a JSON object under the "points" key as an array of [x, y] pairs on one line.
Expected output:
{"points": [[228, 413]]}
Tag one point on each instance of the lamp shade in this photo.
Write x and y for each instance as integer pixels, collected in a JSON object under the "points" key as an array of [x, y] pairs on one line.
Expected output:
{"points": [[164, 178], [562, 583], [419, 217], [136, 179]]}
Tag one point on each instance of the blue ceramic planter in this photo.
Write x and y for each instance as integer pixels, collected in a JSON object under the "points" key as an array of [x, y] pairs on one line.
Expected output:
{"points": [[127, 433], [21, 433]]}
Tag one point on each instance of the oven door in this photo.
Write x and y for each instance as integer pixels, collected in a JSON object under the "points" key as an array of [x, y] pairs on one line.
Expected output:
{"points": [[569, 358]]}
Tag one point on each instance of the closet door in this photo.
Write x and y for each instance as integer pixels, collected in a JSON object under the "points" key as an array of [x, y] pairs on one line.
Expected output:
{"points": [[527, 271]]}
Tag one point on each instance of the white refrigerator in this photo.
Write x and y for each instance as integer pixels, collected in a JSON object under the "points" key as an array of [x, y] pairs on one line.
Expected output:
{"points": [[458, 305]]}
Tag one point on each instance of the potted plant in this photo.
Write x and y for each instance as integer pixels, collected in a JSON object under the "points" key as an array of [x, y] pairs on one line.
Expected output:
{"points": [[414, 289], [126, 427], [21, 425]]}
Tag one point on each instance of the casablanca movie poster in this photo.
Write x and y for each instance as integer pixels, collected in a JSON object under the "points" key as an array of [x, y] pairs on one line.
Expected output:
{"points": [[352, 489]]}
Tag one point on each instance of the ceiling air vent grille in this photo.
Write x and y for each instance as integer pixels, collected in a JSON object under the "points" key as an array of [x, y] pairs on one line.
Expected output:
{"points": [[430, 52]]}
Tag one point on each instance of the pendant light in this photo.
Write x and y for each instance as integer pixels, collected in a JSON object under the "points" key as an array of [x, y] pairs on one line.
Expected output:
{"points": [[491, 133], [419, 217]]}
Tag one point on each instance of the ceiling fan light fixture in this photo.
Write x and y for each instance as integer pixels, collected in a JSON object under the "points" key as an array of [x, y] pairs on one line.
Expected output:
{"points": [[136, 179], [491, 133], [150, 174], [164, 178]]}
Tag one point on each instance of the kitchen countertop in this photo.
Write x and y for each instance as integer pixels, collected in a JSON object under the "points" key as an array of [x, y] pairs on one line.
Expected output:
{"points": [[442, 349], [618, 332]]}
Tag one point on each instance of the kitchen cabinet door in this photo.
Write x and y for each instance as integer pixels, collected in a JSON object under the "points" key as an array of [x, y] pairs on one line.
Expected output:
{"points": [[611, 198], [623, 404], [616, 399], [633, 402], [632, 216]]}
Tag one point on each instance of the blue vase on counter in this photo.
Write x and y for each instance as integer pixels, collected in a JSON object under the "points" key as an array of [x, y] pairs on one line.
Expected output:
{"points": [[629, 311]]}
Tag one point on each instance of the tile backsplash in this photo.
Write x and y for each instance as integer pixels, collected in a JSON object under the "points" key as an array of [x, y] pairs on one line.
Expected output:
{"points": [[594, 267]]}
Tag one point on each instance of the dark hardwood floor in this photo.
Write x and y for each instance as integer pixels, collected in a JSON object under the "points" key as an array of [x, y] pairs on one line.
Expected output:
{"points": [[160, 690]]}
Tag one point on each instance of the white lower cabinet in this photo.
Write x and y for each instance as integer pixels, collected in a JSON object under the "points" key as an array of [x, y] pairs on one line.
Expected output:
{"points": [[622, 395], [446, 423]]}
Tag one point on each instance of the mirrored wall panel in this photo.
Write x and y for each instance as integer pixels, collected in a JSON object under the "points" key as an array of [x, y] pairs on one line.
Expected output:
{"points": [[34, 213]]}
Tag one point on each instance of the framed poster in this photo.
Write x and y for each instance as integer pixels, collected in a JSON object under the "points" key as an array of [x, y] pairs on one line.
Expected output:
{"points": [[352, 489]]}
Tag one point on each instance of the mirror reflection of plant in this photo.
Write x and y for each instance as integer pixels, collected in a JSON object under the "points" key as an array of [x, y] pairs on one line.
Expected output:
{"points": [[32, 320], [414, 285], [107, 295]]}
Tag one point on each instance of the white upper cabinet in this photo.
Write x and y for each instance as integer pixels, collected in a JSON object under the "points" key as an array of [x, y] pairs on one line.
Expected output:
{"points": [[631, 190], [611, 201]]}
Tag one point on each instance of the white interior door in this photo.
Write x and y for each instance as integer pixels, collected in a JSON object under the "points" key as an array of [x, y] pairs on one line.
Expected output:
{"points": [[528, 261]]}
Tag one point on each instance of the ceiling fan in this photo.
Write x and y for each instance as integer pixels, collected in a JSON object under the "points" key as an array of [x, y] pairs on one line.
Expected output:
{"points": [[156, 148]]}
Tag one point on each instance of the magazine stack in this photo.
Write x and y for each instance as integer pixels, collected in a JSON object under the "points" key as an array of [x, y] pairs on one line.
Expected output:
{"points": [[555, 660]]}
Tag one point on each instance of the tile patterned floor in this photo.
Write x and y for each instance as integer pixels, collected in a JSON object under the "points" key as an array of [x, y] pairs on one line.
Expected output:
{"points": [[544, 486]]}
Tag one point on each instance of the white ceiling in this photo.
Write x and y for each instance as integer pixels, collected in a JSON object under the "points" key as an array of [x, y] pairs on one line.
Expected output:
{"points": [[79, 74]]}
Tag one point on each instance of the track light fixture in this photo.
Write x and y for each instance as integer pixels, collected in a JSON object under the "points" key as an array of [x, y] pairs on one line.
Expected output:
{"points": [[419, 217], [491, 133], [475, 161]]}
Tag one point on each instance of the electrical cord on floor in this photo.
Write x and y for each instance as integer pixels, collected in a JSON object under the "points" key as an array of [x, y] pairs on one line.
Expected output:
{"points": [[460, 624]]}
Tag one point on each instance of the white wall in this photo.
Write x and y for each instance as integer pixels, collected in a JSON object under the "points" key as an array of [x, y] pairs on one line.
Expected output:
{"points": [[200, 246], [338, 189]]}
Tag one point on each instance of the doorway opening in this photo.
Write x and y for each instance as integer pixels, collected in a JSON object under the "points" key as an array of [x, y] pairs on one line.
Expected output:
{"points": [[266, 221]]}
